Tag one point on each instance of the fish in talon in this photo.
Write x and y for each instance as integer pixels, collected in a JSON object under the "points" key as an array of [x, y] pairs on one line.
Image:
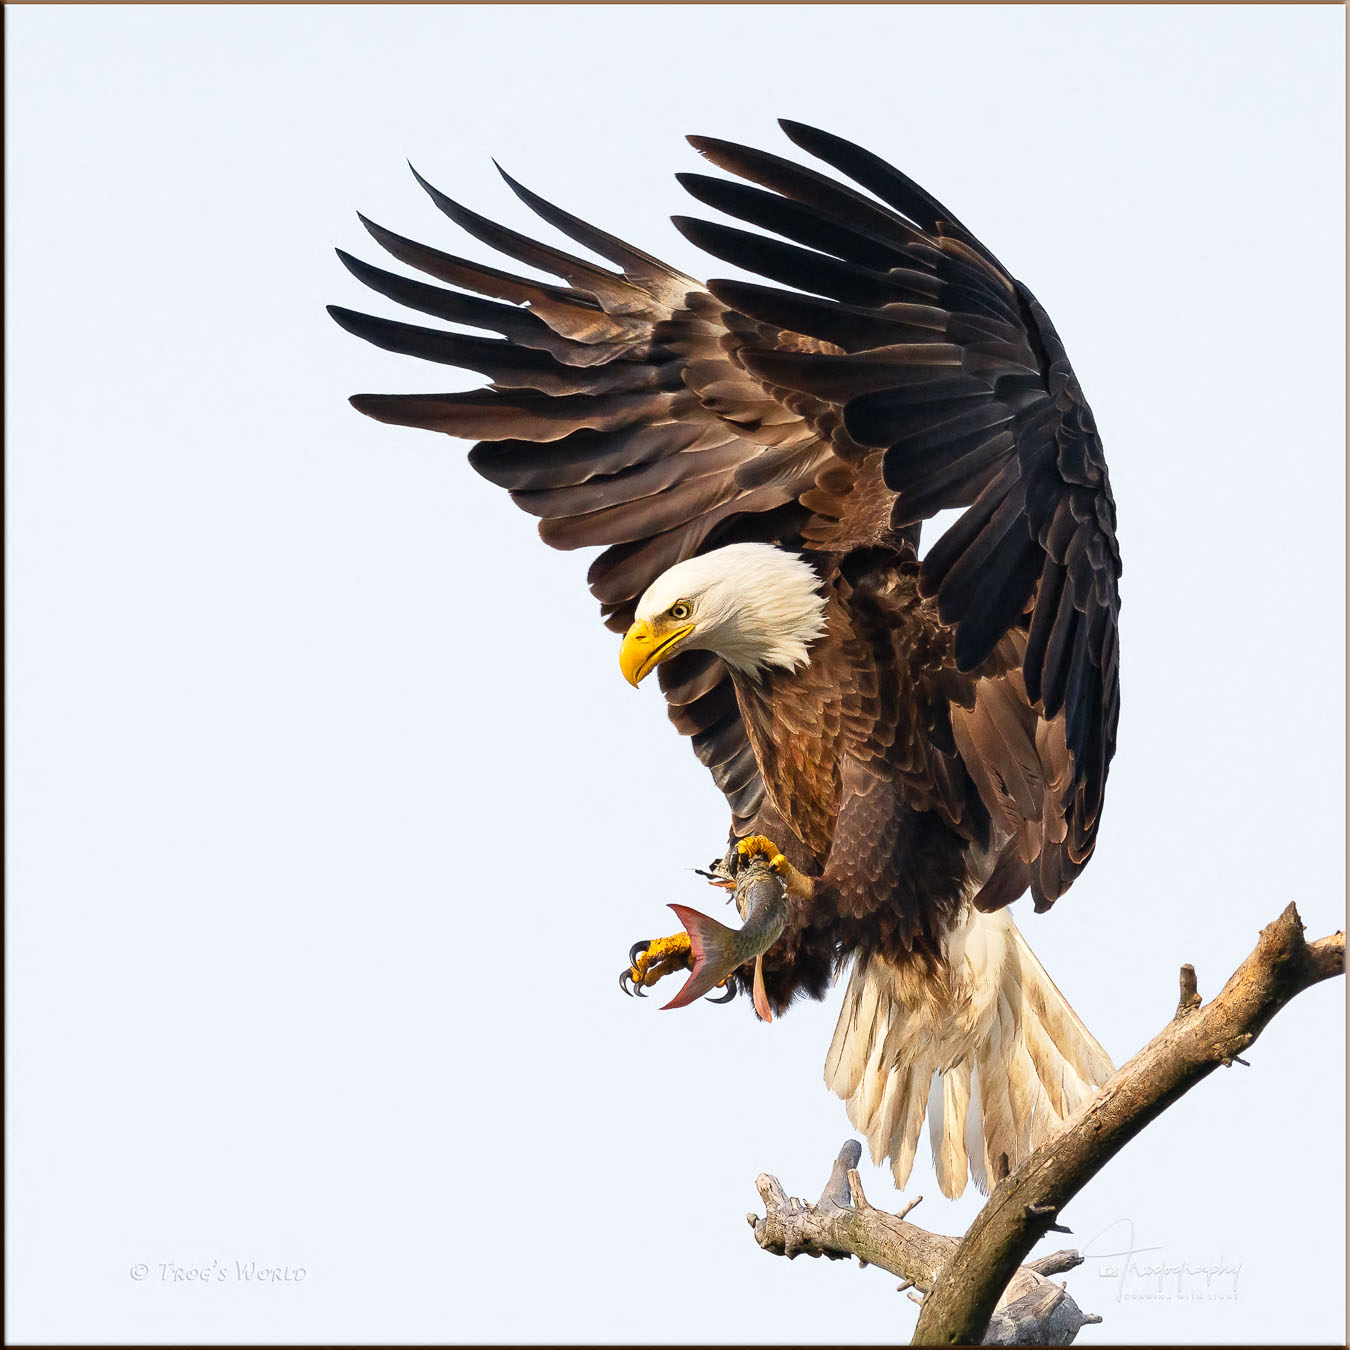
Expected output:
{"points": [[719, 951]]}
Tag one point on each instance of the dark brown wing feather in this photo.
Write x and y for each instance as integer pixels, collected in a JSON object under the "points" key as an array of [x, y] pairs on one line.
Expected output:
{"points": [[619, 414]]}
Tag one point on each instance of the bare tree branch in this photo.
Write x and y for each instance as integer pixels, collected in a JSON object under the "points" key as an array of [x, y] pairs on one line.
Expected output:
{"points": [[1033, 1310], [1056, 1263], [1199, 1039], [975, 1290]]}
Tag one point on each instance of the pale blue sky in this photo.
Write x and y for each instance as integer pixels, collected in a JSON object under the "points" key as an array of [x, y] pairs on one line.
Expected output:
{"points": [[331, 818]]}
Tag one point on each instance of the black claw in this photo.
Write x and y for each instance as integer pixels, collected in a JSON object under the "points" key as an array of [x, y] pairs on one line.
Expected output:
{"points": [[629, 986], [726, 998], [637, 949]]}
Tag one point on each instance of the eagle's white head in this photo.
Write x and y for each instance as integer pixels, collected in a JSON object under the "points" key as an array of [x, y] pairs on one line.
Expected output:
{"points": [[756, 606]]}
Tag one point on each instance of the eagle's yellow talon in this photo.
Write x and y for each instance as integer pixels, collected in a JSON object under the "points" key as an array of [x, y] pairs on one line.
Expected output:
{"points": [[728, 994], [757, 843], [649, 962], [667, 949]]}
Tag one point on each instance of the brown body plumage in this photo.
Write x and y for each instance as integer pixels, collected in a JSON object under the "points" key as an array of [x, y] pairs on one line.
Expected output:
{"points": [[847, 754], [945, 747]]}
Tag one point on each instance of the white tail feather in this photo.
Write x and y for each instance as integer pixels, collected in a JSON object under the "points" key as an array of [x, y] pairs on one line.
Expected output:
{"points": [[949, 1100], [989, 1049]]}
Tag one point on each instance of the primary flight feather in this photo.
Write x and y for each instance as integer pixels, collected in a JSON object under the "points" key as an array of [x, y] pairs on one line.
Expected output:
{"points": [[913, 744]]}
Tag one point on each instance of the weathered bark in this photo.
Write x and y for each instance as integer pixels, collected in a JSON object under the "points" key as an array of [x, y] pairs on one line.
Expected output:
{"points": [[975, 1289], [1033, 1310]]}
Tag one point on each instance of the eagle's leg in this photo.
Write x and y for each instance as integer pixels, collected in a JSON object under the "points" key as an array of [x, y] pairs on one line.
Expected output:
{"points": [[757, 846]]}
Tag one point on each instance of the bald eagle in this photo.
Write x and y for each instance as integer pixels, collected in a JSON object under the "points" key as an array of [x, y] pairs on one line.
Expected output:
{"points": [[915, 741]]}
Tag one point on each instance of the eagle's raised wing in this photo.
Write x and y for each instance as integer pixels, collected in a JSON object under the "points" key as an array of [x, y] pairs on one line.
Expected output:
{"points": [[953, 372], [620, 414], [905, 372]]}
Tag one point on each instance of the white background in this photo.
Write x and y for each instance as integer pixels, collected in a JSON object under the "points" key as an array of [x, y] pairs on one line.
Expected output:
{"points": [[326, 797]]}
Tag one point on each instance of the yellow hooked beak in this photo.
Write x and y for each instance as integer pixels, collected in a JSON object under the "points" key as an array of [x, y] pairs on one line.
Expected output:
{"points": [[646, 645]]}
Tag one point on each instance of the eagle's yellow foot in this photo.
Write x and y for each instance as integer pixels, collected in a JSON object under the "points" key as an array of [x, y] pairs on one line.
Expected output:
{"points": [[757, 846], [650, 961]]}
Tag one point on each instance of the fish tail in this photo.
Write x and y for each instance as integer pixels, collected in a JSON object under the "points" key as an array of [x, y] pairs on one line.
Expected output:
{"points": [[716, 950]]}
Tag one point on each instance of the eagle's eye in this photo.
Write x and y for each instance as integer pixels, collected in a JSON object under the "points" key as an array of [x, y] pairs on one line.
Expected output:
{"points": [[680, 610]]}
